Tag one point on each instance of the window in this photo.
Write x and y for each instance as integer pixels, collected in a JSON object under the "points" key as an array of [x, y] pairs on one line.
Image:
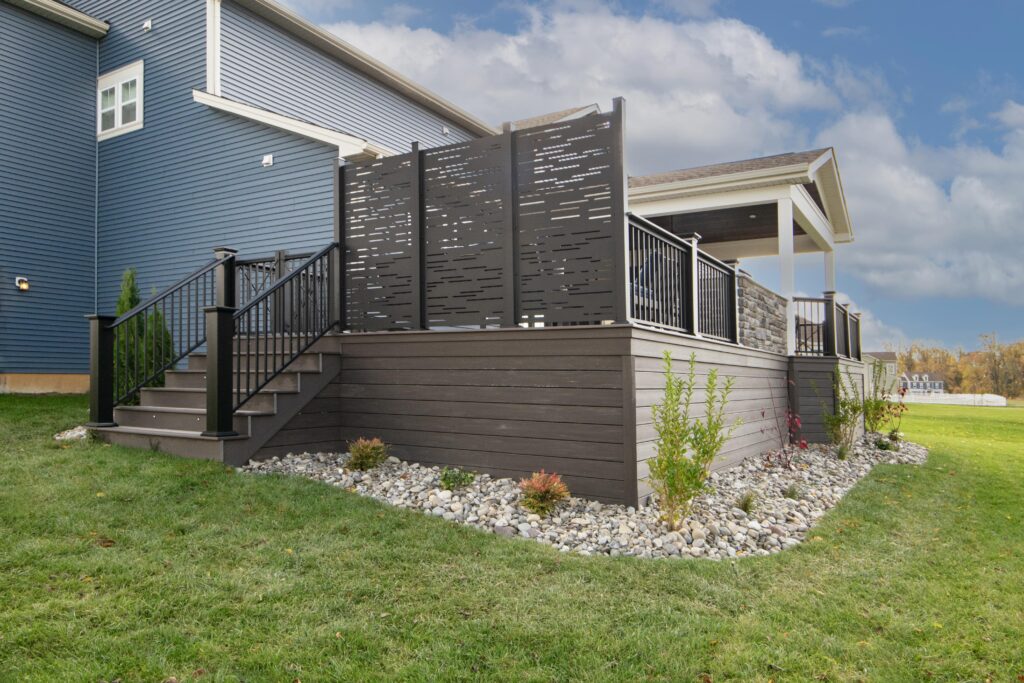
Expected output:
{"points": [[119, 101]]}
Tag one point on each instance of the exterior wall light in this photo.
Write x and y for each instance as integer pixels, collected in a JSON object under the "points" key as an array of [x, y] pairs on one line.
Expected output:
{"points": [[21, 283], [268, 160], [147, 26]]}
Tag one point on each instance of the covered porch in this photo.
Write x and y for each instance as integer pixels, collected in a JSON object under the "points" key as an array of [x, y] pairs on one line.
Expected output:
{"points": [[777, 206]]}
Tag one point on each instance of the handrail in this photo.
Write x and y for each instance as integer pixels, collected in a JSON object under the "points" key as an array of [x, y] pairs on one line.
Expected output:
{"points": [[155, 335], [167, 292], [266, 347]]}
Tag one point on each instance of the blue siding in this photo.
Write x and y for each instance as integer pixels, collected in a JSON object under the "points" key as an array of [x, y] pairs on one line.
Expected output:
{"points": [[47, 197], [191, 178], [267, 67]]}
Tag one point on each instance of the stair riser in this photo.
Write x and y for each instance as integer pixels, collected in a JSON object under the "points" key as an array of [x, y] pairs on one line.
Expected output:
{"points": [[184, 447], [180, 421], [307, 362], [288, 381], [197, 399]]}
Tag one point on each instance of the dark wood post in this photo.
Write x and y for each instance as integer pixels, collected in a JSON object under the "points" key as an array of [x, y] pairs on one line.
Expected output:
{"points": [[831, 341], [336, 266], [620, 223], [418, 241], [694, 302], [734, 308], [510, 246], [220, 328], [101, 371]]}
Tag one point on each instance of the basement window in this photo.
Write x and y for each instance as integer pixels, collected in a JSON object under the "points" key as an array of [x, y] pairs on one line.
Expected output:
{"points": [[119, 101]]}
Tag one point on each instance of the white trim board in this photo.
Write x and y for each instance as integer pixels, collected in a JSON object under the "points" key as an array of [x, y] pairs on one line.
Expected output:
{"points": [[213, 47], [62, 14], [349, 146]]}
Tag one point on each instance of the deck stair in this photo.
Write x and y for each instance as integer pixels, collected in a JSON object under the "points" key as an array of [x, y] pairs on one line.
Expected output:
{"points": [[172, 418], [217, 364]]}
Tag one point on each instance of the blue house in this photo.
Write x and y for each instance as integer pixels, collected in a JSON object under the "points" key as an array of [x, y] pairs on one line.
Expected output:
{"points": [[327, 251], [140, 134]]}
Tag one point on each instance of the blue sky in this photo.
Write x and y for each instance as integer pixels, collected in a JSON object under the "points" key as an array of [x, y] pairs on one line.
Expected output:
{"points": [[924, 106]]}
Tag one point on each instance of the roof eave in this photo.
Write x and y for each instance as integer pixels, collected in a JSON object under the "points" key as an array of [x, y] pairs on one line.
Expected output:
{"points": [[64, 15], [358, 59], [780, 175]]}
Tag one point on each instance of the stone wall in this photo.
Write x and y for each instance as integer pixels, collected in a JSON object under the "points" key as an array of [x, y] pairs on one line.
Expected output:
{"points": [[762, 316]]}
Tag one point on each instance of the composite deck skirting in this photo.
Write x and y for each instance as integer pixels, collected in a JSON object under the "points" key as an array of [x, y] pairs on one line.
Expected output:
{"points": [[509, 402]]}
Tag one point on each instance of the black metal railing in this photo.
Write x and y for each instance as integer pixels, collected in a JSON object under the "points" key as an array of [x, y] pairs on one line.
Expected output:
{"points": [[825, 327], [660, 277], [273, 329], [716, 307], [256, 275], [134, 350], [675, 285]]}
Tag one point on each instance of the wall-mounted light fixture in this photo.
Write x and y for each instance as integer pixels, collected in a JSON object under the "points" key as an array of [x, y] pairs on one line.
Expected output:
{"points": [[268, 160], [147, 26], [21, 283], [445, 130]]}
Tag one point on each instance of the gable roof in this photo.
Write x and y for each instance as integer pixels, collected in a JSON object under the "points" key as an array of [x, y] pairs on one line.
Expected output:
{"points": [[882, 355], [62, 14], [729, 168], [357, 59], [816, 167], [556, 116]]}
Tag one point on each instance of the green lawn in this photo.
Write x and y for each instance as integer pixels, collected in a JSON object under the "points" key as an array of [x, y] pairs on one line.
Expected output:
{"points": [[130, 565]]}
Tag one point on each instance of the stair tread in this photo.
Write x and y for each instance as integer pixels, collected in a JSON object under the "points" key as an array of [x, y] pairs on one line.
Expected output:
{"points": [[190, 411], [181, 433], [188, 371], [194, 390]]}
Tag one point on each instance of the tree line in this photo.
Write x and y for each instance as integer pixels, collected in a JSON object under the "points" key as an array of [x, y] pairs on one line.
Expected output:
{"points": [[996, 368]]}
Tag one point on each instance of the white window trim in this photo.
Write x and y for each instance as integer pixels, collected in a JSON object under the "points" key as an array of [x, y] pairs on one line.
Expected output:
{"points": [[114, 79]]}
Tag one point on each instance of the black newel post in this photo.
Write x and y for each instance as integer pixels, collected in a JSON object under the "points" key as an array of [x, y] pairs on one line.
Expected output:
{"points": [[101, 371], [831, 338], [220, 332], [336, 267]]}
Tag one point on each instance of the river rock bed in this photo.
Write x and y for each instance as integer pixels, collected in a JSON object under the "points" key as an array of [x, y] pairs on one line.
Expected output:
{"points": [[715, 529]]}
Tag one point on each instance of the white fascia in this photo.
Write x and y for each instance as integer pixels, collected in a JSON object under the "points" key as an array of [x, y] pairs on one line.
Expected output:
{"points": [[62, 14], [811, 219], [349, 146]]}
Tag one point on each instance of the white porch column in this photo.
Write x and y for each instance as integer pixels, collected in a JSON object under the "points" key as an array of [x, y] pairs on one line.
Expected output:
{"points": [[787, 279], [830, 271]]}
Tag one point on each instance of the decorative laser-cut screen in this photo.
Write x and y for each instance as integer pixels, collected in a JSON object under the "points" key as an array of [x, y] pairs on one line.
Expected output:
{"points": [[381, 251], [466, 223], [517, 228], [565, 178]]}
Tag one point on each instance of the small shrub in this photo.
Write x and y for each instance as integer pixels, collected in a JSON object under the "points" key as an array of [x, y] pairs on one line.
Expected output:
{"points": [[876, 402], [841, 422], [793, 492], [884, 445], [677, 476], [747, 501], [453, 478], [842, 451], [365, 454], [542, 492]]}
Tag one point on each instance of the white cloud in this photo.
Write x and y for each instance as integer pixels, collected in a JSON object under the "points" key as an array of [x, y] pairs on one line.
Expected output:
{"points": [[876, 335], [696, 91], [1011, 115], [930, 221], [690, 8]]}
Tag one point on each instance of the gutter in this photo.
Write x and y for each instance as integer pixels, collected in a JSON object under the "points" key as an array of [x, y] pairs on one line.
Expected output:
{"points": [[62, 14]]}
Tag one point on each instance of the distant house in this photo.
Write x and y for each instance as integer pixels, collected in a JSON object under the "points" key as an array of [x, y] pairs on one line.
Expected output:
{"points": [[923, 383], [890, 363]]}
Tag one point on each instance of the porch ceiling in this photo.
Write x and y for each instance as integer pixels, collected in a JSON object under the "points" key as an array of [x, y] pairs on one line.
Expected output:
{"points": [[734, 224]]}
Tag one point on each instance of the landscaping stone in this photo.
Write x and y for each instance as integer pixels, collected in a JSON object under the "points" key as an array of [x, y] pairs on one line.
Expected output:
{"points": [[79, 433], [716, 529]]}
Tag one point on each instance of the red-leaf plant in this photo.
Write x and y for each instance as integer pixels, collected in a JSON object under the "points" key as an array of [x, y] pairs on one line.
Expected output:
{"points": [[787, 430]]}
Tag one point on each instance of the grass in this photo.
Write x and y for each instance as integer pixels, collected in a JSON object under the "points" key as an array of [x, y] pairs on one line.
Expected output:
{"points": [[132, 565]]}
